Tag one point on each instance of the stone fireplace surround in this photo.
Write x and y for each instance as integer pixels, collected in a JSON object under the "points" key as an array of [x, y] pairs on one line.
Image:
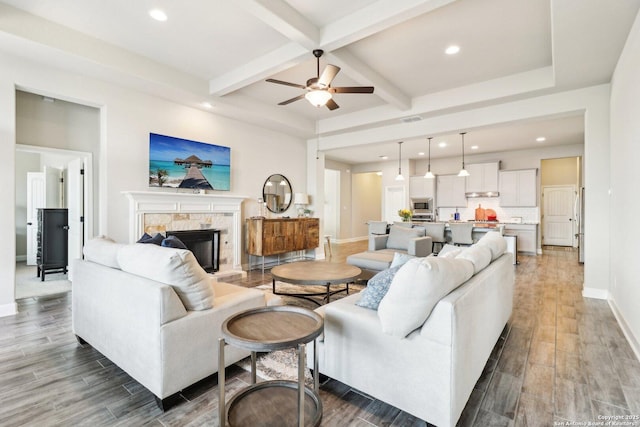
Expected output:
{"points": [[161, 211]]}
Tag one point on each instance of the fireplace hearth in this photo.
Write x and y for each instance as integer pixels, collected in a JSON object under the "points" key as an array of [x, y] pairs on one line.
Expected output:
{"points": [[204, 244]]}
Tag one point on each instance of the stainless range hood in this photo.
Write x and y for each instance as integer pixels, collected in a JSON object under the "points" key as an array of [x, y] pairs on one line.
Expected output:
{"points": [[482, 194]]}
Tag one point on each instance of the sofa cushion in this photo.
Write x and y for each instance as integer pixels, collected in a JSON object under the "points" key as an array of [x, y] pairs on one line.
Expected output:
{"points": [[156, 239], [495, 242], [450, 251], [102, 250], [377, 288], [176, 267], [400, 259], [372, 260], [173, 242], [399, 237], [480, 257], [416, 289]]}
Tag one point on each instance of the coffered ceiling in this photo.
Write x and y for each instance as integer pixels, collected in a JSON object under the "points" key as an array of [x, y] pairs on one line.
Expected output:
{"points": [[221, 52]]}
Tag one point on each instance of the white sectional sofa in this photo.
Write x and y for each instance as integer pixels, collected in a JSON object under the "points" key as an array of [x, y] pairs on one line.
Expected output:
{"points": [[155, 313], [429, 373]]}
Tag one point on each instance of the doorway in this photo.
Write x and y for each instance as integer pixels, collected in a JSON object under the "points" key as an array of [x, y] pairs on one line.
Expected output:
{"points": [[49, 178], [560, 180]]}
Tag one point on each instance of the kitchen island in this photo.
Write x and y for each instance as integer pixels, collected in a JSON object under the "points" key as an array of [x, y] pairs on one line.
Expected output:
{"points": [[526, 233]]}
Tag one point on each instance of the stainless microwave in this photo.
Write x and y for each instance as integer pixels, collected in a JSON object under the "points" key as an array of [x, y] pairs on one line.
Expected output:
{"points": [[422, 205]]}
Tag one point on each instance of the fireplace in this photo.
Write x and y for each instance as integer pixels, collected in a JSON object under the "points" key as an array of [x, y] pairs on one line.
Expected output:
{"points": [[204, 244], [161, 211]]}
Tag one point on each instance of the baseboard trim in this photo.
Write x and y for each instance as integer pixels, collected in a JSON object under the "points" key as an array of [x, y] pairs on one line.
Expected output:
{"points": [[633, 342], [349, 240], [595, 293], [20, 258], [8, 309]]}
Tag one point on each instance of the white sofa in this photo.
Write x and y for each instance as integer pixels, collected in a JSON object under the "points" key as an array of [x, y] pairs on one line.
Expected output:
{"points": [[431, 372], [142, 325]]}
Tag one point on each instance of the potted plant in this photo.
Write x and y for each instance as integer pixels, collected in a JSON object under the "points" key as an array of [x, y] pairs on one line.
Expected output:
{"points": [[405, 214]]}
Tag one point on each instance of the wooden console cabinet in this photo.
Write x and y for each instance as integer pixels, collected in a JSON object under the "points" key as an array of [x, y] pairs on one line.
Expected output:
{"points": [[275, 236]]}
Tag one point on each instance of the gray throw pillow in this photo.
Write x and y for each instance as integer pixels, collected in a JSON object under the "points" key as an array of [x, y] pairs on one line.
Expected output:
{"points": [[173, 242], [399, 237], [377, 288]]}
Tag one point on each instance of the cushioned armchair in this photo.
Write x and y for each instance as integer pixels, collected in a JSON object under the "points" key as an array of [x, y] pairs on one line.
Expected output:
{"points": [[382, 248]]}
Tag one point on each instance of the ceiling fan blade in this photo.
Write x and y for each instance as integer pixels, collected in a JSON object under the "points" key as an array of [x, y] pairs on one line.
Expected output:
{"points": [[331, 104], [280, 82], [328, 74], [289, 101], [352, 89]]}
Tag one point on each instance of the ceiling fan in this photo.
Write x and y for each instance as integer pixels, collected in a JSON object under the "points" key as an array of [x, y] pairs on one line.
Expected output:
{"points": [[318, 89]]}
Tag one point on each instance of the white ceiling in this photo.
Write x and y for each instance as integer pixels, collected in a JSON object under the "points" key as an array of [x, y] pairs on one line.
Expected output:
{"points": [[221, 51]]}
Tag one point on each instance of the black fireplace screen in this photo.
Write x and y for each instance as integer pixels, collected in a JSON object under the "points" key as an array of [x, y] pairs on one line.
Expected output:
{"points": [[205, 245]]}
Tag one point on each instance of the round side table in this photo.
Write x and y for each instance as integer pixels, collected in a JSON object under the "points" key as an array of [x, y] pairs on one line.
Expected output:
{"points": [[274, 402]]}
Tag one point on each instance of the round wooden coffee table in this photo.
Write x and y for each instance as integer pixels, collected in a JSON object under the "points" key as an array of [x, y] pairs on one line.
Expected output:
{"points": [[318, 273]]}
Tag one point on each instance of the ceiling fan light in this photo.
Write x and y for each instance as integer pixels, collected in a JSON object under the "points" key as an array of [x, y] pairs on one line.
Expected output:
{"points": [[318, 98]]}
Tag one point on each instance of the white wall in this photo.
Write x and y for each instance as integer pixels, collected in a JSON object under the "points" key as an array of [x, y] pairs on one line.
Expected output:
{"points": [[127, 118], [625, 175]]}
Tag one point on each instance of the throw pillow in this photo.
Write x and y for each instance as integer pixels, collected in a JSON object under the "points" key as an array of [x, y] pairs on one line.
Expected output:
{"points": [[400, 259], [480, 257], [102, 250], [399, 237], [495, 242], [175, 267], [449, 251], [416, 289], [377, 288], [156, 239], [173, 242]]}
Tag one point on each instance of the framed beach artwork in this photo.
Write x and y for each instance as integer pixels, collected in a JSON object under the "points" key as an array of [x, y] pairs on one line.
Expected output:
{"points": [[181, 163]]}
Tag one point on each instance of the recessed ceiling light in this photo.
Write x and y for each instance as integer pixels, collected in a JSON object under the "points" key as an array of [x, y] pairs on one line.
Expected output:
{"points": [[474, 147], [206, 104], [158, 15], [452, 50], [421, 153], [442, 144], [384, 157], [541, 139]]}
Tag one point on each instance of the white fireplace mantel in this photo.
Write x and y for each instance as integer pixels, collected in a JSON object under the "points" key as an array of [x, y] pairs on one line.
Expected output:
{"points": [[148, 202]]}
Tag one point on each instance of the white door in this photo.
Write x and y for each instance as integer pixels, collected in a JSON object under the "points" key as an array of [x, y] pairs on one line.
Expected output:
{"points": [[75, 205], [394, 200], [557, 222], [35, 199]]}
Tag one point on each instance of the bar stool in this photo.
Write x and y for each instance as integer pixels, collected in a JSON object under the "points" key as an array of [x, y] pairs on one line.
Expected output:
{"points": [[328, 237], [461, 233], [378, 227], [435, 230]]}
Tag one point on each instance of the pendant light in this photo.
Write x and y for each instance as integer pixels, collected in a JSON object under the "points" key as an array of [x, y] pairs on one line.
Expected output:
{"points": [[429, 175], [400, 177], [463, 171]]}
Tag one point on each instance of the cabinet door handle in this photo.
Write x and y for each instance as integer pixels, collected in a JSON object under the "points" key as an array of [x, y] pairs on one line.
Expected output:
{"points": [[65, 227]]}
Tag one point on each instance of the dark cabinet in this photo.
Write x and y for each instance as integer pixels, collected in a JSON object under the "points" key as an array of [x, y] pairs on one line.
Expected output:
{"points": [[51, 253]]}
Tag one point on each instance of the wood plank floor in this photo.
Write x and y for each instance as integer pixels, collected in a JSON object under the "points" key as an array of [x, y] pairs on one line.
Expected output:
{"points": [[562, 358]]}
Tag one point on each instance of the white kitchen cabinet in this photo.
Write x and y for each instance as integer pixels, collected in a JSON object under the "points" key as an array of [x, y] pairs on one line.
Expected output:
{"points": [[421, 187], [526, 236], [483, 177], [518, 188], [450, 191]]}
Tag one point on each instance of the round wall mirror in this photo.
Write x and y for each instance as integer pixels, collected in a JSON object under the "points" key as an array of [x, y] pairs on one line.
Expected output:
{"points": [[276, 193]]}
